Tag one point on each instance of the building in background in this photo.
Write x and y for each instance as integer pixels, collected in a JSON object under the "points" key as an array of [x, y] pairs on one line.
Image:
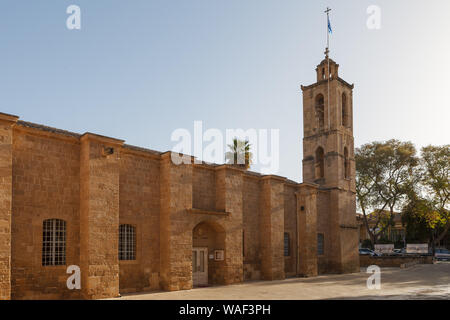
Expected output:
{"points": [[395, 233], [392, 233]]}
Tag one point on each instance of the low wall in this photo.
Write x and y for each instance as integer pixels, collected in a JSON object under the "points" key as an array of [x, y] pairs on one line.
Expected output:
{"points": [[395, 261]]}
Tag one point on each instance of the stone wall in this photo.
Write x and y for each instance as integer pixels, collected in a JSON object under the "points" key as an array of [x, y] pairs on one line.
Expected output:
{"points": [[203, 188], [139, 206], [96, 183], [251, 224], [307, 230], [272, 229], [290, 227], [46, 185], [394, 261], [323, 227], [175, 225], [6, 141], [231, 181], [99, 216]]}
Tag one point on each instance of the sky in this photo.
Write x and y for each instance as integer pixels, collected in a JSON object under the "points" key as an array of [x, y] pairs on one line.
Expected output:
{"points": [[138, 70]]}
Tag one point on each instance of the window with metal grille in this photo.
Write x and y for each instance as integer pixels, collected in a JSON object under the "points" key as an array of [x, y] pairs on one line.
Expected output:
{"points": [[127, 242], [54, 242], [287, 245], [320, 244]]}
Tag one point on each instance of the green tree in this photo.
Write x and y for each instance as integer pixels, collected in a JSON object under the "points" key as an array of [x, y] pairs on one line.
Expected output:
{"points": [[239, 154], [428, 205], [436, 180], [417, 215], [384, 175]]}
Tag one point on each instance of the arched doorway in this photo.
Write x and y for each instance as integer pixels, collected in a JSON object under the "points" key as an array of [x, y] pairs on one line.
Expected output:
{"points": [[208, 254]]}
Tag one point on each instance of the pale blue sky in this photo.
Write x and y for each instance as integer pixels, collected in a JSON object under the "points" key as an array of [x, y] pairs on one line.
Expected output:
{"points": [[137, 70]]}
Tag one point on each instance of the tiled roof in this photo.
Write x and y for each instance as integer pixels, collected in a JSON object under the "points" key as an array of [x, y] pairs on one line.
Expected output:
{"points": [[46, 128]]}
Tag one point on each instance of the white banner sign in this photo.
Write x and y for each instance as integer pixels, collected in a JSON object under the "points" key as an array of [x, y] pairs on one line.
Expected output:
{"points": [[384, 248], [417, 248]]}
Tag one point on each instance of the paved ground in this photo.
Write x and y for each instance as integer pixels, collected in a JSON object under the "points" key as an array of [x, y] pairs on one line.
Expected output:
{"points": [[416, 282]]}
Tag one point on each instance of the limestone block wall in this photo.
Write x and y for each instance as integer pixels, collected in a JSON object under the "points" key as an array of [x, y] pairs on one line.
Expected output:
{"points": [[323, 210], [179, 218], [251, 226], [139, 206], [341, 241], [6, 141], [348, 232], [307, 200], [272, 229], [231, 181], [175, 225], [46, 185], [96, 183], [333, 238], [99, 216], [290, 227], [203, 188]]}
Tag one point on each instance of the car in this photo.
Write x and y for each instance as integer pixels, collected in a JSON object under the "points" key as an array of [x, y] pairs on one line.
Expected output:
{"points": [[442, 254], [399, 251], [365, 251]]}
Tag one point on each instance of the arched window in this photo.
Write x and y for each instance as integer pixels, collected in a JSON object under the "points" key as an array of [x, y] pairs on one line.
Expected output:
{"points": [[320, 114], [323, 73], [344, 110], [127, 242], [54, 242], [319, 163], [346, 164]]}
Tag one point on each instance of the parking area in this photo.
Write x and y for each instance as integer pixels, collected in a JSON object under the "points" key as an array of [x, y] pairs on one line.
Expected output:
{"points": [[430, 281]]}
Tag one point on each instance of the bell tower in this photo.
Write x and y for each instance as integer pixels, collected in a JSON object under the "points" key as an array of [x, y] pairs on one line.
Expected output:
{"points": [[328, 161], [328, 129]]}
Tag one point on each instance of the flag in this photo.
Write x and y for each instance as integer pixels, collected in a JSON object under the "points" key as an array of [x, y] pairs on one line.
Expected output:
{"points": [[329, 26]]}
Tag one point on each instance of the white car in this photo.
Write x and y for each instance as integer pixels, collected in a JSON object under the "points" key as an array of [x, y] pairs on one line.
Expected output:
{"points": [[442, 254]]}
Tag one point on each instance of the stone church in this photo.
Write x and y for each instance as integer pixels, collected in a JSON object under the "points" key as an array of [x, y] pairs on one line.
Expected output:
{"points": [[133, 221]]}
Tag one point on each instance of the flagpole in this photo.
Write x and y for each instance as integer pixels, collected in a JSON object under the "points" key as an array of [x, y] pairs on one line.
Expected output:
{"points": [[327, 51], [328, 31]]}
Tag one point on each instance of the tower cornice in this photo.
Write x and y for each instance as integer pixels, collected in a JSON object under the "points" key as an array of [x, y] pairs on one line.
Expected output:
{"points": [[351, 86]]}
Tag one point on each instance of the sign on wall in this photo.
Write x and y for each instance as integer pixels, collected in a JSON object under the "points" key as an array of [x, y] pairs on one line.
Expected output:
{"points": [[417, 248], [218, 255], [384, 248]]}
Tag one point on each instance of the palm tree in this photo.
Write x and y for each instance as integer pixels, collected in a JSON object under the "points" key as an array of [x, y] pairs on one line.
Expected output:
{"points": [[239, 154]]}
